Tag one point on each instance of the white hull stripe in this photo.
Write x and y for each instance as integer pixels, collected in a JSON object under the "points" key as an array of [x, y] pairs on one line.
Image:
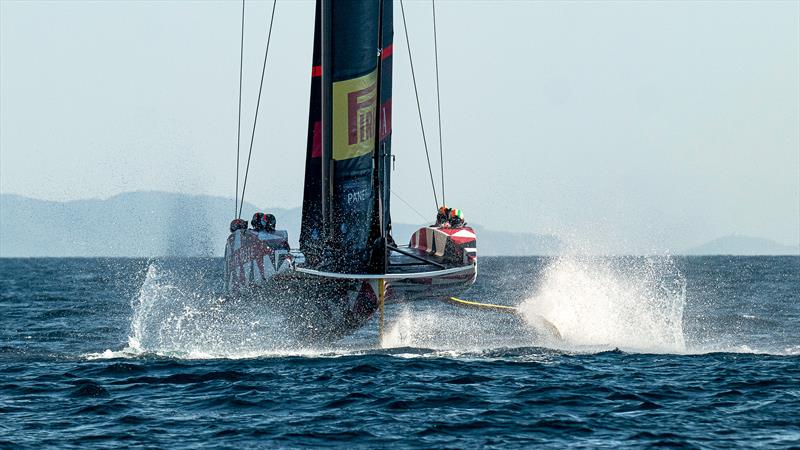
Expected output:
{"points": [[386, 276]]}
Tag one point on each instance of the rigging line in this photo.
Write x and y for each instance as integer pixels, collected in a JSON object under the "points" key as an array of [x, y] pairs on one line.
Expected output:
{"points": [[258, 103], [419, 108], [438, 101], [409, 205], [239, 122]]}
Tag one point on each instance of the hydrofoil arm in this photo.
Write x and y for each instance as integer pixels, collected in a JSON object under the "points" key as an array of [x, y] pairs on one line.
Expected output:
{"points": [[546, 324]]}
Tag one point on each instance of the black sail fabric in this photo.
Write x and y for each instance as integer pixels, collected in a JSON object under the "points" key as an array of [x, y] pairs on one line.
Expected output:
{"points": [[311, 228], [339, 218], [354, 74]]}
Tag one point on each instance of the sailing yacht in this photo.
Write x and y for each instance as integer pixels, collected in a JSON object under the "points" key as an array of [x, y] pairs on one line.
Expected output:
{"points": [[349, 265]]}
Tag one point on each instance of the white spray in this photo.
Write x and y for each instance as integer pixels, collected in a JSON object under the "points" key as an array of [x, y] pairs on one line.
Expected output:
{"points": [[633, 304], [174, 316]]}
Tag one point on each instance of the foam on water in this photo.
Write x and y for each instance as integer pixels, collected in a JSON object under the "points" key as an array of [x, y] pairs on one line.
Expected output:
{"points": [[447, 328], [634, 305], [432, 330]]}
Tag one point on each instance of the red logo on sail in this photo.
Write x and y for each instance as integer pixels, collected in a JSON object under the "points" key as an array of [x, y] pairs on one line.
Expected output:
{"points": [[361, 115]]}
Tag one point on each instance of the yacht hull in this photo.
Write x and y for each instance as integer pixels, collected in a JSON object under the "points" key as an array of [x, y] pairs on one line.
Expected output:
{"points": [[325, 306]]}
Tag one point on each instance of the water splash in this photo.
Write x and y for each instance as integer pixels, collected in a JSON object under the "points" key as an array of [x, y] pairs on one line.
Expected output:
{"points": [[633, 304], [179, 315], [596, 304], [425, 329], [443, 327]]}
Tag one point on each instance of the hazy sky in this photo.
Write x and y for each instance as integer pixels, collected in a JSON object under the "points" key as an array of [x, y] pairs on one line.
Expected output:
{"points": [[636, 126]]}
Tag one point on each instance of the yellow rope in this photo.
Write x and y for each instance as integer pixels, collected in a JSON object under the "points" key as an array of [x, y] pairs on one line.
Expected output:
{"points": [[501, 308], [544, 323]]}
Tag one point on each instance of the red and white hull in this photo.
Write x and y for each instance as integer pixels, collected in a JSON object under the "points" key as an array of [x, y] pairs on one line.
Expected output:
{"points": [[332, 305]]}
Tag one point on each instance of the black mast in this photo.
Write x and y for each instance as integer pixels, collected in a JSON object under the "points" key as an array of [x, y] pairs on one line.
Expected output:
{"points": [[326, 20], [384, 114], [379, 232]]}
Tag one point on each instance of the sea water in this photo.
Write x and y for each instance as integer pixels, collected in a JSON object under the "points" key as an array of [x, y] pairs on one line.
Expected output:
{"points": [[651, 351]]}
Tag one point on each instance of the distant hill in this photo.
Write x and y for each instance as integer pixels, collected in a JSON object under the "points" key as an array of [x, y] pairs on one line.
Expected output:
{"points": [[144, 224], [743, 245], [130, 224]]}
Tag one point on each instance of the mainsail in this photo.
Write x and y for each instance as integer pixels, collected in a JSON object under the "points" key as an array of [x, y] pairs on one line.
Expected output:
{"points": [[345, 204]]}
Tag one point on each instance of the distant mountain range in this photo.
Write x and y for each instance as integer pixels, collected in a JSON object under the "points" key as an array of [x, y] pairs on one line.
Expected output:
{"points": [[145, 224], [743, 245]]}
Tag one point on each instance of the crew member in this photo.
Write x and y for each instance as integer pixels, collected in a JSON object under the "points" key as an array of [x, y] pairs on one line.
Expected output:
{"points": [[456, 218], [269, 226], [238, 224], [442, 217], [258, 222], [265, 224]]}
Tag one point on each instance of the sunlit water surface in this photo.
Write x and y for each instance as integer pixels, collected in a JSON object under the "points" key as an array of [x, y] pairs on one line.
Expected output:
{"points": [[652, 351]]}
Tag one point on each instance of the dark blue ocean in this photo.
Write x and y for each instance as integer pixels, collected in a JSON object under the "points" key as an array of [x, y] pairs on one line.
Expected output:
{"points": [[700, 352]]}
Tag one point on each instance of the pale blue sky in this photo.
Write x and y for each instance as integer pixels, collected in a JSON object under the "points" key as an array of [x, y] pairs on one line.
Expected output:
{"points": [[638, 126]]}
